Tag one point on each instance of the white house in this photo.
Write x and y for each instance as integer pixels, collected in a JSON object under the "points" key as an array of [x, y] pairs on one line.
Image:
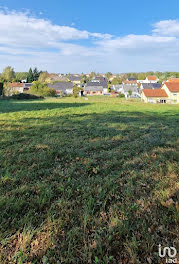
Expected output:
{"points": [[149, 79]]}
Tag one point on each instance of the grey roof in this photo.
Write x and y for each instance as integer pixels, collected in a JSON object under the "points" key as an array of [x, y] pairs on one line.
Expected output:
{"points": [[117, 86], [132, 79], [100, 78], [151, 85], [133, 88], [74, 78], [97, 84], [93, 88], [27, 85], [61, 85]]}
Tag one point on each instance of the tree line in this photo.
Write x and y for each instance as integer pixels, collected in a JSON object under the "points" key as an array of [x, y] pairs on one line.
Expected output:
{"points": [[9, 75]]}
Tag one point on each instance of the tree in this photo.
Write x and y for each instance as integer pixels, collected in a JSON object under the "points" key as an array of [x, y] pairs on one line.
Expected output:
{"points": [[21, 76], [8, 74], [130, 92], [142, 76], [1, 88], [43, 76], [116, 81], [30, 76], [36, 74], [42, 89], [93, 74], [108, 74], [76, 91]]}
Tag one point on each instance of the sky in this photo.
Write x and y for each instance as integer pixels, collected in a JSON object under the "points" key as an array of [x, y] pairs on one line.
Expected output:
{"points": [[65, 36]]}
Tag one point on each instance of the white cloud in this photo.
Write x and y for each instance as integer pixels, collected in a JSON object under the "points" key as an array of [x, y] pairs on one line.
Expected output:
{"points": [[20, 29], [30, 41], [167, 28], [136, 42]]}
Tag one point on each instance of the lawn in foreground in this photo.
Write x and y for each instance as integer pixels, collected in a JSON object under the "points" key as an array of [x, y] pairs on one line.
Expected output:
{"points": [[87, 181]]}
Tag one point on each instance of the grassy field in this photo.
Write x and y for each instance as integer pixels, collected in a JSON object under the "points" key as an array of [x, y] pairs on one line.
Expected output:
{"points": [[88, 181]]}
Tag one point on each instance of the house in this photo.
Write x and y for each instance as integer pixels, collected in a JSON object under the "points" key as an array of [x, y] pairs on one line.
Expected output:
{"points": [[13, 88], [55, 78], [149, 79], [130, 91], [62, 87], [74, 79], [112, 77], [96, 88], [117, 87], [99, 79], [173, 80], [27, 86], [88, 75], [172, 91], [150, 86], [131, 79], [132, 82], [154, 96]]}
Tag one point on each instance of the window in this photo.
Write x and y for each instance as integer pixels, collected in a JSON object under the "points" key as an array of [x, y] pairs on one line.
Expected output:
{"points": [[174, 94]]}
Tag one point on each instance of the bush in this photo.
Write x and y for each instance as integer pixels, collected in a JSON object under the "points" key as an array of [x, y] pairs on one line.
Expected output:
{"points": [[25, 96], [76, 90], [121, 95], [41, 89]]}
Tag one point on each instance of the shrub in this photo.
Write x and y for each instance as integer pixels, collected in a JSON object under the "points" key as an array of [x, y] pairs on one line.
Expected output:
{"points": [[25, 96], [76, 90], [41, 89], [121, 95]]}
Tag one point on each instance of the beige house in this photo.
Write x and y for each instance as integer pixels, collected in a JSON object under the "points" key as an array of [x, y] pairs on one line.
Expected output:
{"points": [[154, 96], [14, 88], [76, 80], [172, 90]]}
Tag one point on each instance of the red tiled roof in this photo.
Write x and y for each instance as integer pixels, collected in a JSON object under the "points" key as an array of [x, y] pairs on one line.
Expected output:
{"points": [[152, 78], [154, 93], [15, 85], [173, 80], [172, 86], [129, 82]]}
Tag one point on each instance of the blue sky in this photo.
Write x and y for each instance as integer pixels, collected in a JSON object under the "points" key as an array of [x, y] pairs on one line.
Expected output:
{"points": [[82, 36]]}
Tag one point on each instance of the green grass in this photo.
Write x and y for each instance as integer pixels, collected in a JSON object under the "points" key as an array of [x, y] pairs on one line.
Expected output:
{"points": [[87, 181]]}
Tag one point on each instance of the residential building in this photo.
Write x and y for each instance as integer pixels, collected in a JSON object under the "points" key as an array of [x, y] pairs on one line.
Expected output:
{"points": [[173, 80], [132, 82], [62, 87], [55, 78], [154, 96], [117, 87], [74, 79], [99, 79], [27, 86], [172, 90], [131, 79], [149, 79], [130, 91], [13, 88], [96, 88], [150, 86]]}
